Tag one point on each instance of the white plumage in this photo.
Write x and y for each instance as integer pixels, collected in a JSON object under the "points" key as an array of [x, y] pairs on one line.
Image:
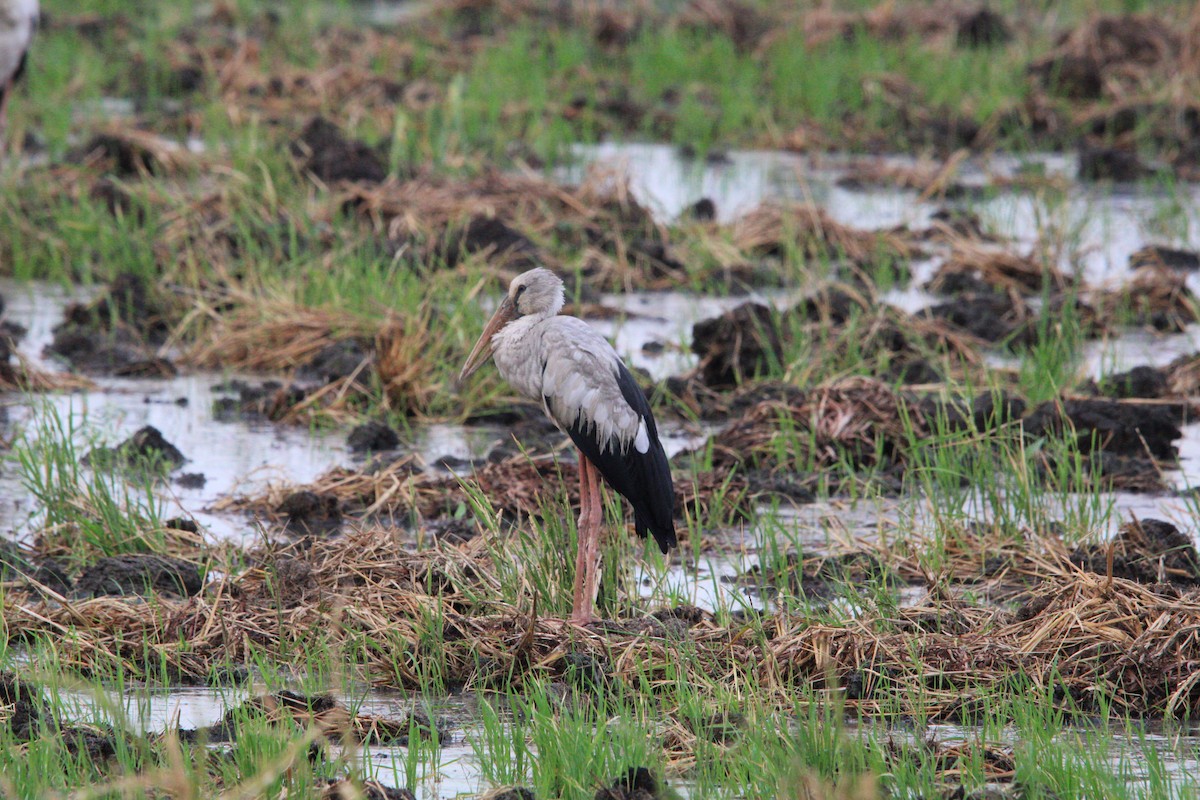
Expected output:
{"points": [[18, 20], [568, 367]]}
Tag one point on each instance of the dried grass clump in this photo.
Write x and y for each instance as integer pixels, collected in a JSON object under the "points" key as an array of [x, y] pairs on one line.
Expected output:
{"points": [[20, 375], [859, 419], [1155, 297], [1082, 634], [271, 336], [1118, 57], [402, 364], [132, 152], [932, 178], [775, 228], [999, 269]]}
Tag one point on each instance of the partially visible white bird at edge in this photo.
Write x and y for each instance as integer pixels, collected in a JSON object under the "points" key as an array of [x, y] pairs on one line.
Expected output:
{"points": [[18, 20], [581, 382]]}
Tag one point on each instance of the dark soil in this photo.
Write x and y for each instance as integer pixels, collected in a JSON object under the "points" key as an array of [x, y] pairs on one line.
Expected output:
{"points": [[330, 156], [191, 480], [505, 245], [992, 317], [739, 344], [1145, 382], [118, 333], [817, 579], [987, 412], [23, 707], [16, 565], [147, 448], [512, 793], [1117, 164], [1121, 428], [311, 513], [1168, 257], [337, 788], [703, 210], [373, 436], [254, 402], [337, 361], [982, 28], [140, 574], [1148, 551], [638, 783], [116, 155]]}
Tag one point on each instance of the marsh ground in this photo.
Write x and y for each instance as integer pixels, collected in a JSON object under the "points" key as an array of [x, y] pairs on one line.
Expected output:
{"points": [[911, 287]]}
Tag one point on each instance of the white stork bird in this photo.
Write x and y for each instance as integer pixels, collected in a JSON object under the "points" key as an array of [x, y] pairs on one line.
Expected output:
{"points": [[587, 391], [18, 18]]}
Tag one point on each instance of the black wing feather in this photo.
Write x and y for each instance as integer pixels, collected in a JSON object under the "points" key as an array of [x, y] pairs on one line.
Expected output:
{"points": [[21, 66], [644, 479]]}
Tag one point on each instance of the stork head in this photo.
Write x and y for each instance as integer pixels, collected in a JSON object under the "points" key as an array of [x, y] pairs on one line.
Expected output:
{"points": [[536, 293]]}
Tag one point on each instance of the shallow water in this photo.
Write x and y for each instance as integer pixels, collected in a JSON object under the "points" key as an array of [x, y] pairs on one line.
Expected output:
{"points": [[150, 711]]}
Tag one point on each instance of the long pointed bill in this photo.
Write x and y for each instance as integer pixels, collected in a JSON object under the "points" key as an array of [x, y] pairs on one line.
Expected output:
{"points": [[505, 314]]}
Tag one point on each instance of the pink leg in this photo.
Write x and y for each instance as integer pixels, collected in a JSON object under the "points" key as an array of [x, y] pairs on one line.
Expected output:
{"points": [[587, 560], [578, 613]]}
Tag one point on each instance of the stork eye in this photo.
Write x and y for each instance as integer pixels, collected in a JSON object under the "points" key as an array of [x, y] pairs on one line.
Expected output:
{"points": [[517, 295]]}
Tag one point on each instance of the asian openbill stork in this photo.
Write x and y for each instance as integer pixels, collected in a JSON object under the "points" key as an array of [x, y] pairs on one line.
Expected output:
{"points": [[587, 391], [18, 18]]}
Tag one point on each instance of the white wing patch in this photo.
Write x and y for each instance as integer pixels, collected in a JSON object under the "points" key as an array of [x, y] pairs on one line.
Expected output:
{"points": [[641, 442], [580, 383]]}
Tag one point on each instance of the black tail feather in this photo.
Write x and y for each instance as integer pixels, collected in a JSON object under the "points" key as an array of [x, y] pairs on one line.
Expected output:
{"points": [[644, 479]]}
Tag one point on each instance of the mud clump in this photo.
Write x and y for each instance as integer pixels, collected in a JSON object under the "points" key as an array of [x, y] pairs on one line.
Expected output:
{"points": [[15, 565], [140, 574], [986, 412], [982, 27], [1116, 164], [1108, 53], [817, 579], [117, 334], [1142, 382], [1148, 551], [336, 362], [703, 210], [739, 344], [191, 480], [122, 156], [855, 424], [309, 513], [147, 448], [990, 317], [23, 707], [1165, 257], [330, 156], [1156, 297], [371, 437], [1126, 429], [505, 245], [338, 788], [638, 783]]}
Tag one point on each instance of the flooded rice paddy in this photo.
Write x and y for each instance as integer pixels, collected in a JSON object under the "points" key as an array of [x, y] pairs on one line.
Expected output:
{"points": [[231, 456]]}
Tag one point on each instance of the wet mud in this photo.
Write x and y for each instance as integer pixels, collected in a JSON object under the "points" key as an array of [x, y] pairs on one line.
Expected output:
{"points": [[147, 448], [139, 575], [119, 333], [330, 156]]}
